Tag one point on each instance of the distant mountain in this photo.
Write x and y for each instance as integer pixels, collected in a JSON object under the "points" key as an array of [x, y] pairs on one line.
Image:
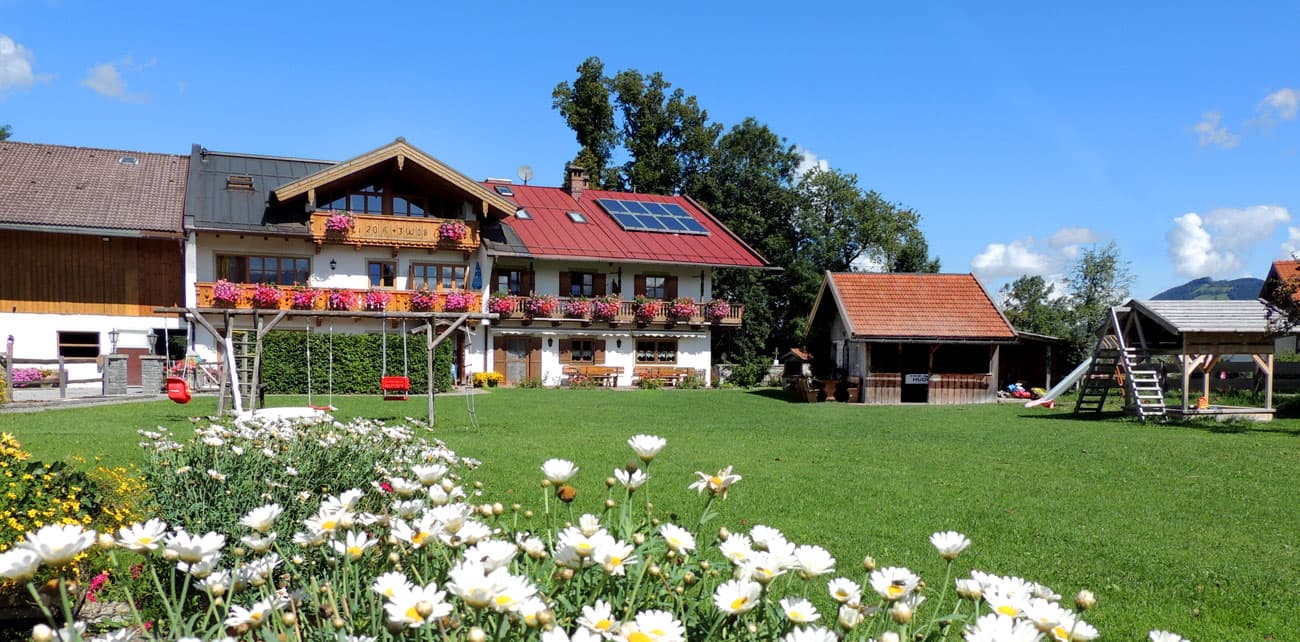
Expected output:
{"points": [[1244, 289]]}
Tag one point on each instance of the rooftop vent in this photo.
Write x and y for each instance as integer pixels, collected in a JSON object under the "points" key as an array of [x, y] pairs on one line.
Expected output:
{"points": [[128, 160], [239, 182]]}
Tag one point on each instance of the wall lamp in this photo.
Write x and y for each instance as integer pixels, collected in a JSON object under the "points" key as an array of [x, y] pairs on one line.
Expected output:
{"points": [[333, 265]]}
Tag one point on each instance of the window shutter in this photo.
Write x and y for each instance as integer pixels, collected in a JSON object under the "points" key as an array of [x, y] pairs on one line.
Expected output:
{"points": [[566, 351], [598, 285], [535, 357], [638, 287], [670, 288], [598, 351], [566, 283], [527, 282], [499, 355], [496, 278]]}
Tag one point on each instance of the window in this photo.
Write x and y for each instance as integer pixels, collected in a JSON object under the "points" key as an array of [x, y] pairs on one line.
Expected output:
{"points": [[581, 284], [654, 287], [663, 288], [576, 217], [578, 351], [78, 344], [408, 206], [657, 351], [437, 276], [511, 281], [383, 274], [523, 214], [505, 190], [280, 270]]}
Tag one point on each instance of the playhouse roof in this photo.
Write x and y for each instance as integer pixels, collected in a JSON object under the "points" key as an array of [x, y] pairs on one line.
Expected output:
{"points": [[914, 307]]}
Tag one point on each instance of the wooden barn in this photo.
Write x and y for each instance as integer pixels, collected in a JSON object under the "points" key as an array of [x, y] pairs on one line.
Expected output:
{"points": [[911, 338]]}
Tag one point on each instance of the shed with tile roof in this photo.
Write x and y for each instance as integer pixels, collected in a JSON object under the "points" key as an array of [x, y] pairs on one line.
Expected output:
{"points": [[927, 338]]}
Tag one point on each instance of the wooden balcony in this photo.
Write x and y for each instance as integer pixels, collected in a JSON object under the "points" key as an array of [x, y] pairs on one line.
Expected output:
{"points": [[399, 300], [627, 315], [395, 232]]}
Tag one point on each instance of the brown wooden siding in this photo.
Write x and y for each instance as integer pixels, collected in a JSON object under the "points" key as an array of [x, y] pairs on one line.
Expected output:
{"points": [[960, 388], [82, 274], [884, 387]]}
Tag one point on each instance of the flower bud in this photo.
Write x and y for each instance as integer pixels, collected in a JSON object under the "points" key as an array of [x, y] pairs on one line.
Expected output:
{"points": [[42, 633], [477, 634], [515, 507], [679, 590], [689, 578], [338, 622], [546, 617], [546, 483], [704, 565], [901, 612], [610, 481], [1085, 600], [724, 533], [218, 589], [566, 493], [969, 589], [395, 628], [170, 555], [889, 636], [497, 509], [654, 570], [394, 558], [424, 608], [850, 617], [478, 485], [528, 514], [289, 618], [869, 563], [609, 503], [638, 538], [566, 574], [753, 628]]}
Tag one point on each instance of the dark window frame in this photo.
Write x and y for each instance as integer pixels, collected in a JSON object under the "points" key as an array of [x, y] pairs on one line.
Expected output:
{"points": [[659, 347], [299, 266], [370, 277]]}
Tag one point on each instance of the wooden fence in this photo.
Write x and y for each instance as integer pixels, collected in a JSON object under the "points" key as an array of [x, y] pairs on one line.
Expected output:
{"points": [[960, 388]]}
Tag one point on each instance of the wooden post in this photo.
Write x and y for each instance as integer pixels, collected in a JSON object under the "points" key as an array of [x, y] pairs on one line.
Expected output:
{"points": [[1268, 380], [1187, 378], [1205, 377], [428, 358], [63, 379], [9, 366]]}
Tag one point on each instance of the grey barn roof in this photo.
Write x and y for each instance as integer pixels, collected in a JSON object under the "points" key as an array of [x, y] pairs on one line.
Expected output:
{"points": [[1250, 317], [211, 205]]}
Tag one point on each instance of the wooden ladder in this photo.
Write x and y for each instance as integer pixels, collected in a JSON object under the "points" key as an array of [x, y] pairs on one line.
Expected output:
{"points": [[1146, 397], [1113, 355], [1099, 380]]}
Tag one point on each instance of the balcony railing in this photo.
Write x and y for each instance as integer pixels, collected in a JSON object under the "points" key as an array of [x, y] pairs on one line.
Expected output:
{"points": [[628, 312], [341, 299], [396, 232]]}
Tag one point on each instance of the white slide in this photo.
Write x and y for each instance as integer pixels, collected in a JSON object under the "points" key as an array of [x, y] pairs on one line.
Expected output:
{"points": [[1064, 385]]}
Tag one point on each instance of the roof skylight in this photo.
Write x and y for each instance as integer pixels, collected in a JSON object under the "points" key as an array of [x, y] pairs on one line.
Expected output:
{"points": [[576, 217]]}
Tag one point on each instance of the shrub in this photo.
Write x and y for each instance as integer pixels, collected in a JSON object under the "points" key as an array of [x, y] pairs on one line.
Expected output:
{"points": [[530, 382], [488, 379], [649, 383], [357, 362], [691, 382]]}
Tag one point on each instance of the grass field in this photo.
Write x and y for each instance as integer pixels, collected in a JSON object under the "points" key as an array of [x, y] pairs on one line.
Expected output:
{"points": [[1185, 527]]}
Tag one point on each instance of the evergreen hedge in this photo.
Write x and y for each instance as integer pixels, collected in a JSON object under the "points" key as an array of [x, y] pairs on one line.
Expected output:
{"points": [[357, 362]]}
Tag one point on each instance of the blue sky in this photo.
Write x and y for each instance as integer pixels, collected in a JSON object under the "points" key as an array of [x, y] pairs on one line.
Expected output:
{"points": [[1021, 132]]}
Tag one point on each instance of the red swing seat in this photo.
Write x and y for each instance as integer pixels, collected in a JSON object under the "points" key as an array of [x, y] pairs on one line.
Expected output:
{"points": [[178, 390], [395, 388]]}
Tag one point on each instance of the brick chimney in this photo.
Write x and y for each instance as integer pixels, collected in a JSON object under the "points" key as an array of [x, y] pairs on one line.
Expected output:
{"points": [[577, 180]]}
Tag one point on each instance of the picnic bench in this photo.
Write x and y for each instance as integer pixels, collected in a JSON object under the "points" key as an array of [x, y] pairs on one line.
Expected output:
{"points": [[604, 376], [665, 375]]}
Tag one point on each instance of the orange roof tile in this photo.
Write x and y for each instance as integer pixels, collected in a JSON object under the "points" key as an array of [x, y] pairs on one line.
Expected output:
{"points": [[911, 306], [1280, 273]]}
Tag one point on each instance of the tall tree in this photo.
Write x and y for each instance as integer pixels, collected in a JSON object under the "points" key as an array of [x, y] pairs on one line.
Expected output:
{"points": [[668, 136], [5, 131], [1032, 304], [587, 109]]}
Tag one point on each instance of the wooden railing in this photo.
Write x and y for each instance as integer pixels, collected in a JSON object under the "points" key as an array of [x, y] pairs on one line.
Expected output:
{"points": [[398, 300], [628, 313], [395, 232]]}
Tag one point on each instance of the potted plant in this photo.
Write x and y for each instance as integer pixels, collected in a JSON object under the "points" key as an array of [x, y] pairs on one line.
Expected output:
{"points": [[716, 310], [267, 295], [226, 294], [342, 300], [458, 301], [376, 300], [681, 309], [422, 300], [304, 298], [605, 309], [645, 308], [502, 303], [340, 223], [577, 308], [540, 306], [452, 231]]}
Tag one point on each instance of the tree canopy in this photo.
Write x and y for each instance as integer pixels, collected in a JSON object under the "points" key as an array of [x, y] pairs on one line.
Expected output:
{"points": [[748, 176]]}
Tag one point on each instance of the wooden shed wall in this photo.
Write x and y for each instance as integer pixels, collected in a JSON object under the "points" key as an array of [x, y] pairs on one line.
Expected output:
{"points": [[82, 274]]}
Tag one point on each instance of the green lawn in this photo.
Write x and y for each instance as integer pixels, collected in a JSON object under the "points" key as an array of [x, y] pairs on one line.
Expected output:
{"points": [[1185, 527]]}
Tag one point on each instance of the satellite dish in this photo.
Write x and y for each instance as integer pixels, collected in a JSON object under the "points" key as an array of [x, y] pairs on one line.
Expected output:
{"points": [[525, 173]]}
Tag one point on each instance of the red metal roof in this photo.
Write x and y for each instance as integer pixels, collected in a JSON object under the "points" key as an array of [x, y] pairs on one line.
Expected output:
{"points": [[551, 233], [949, 306]]}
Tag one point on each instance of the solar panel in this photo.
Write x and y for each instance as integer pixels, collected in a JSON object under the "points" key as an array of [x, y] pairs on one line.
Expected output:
{"points": [[646, 216]]}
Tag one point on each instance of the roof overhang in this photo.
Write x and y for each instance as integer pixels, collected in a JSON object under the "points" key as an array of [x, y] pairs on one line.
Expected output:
{"points": [[92, 231], [828, 283], [857, 338], [401, 151], [570, 258]]}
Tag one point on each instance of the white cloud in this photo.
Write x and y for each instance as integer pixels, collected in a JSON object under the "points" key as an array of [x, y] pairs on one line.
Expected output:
{"points": [[1211, 133], [106, 80], [1193, 250], [1292, 244], [1011, 260], [1072, 236], [1283, 104], [809, 162], [16, 66], [1241, 228]]}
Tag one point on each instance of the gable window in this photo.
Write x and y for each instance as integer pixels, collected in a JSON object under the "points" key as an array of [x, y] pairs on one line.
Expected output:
{"points": [[383, 274], [437, 276], [78, 344], [408, 206], [280, 270], [656, 351]]}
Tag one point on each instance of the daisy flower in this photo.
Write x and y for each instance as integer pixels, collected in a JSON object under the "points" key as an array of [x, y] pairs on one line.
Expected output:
{"points": [[259, 544], [737, 549], [647, 446], [813, 561], [799, 610], [765, 536], [969, 589], [558, 471], [58, 544], [252, 616], [679, 539], [598, 618], [415, 606], [1044, 614], [734, 597], [405, 488], [763, 567], [192, 549], [493, 554], [993, 627], [589, 524], [142, 537], [391, 583], [430, 474], [512, 592], [353, 545], [850, 617], [469, 581], [262, 518], [652, 626], [19, 564], [844, 590], [1072, 629], [416, 533], [1165, 636], [810, 634], [892, 582], [632, 480], [533, 547], [614, 556], [950, 544], [716, 484], [118, 635], [557, 634]]}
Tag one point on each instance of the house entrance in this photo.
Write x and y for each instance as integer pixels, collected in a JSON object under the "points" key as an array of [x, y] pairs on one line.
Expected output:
{"points": [[516, 359], [915, 361]]}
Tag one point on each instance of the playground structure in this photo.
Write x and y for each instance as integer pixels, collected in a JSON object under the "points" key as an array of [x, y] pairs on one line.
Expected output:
{"points": [[1197, 334], [241, 370]]}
